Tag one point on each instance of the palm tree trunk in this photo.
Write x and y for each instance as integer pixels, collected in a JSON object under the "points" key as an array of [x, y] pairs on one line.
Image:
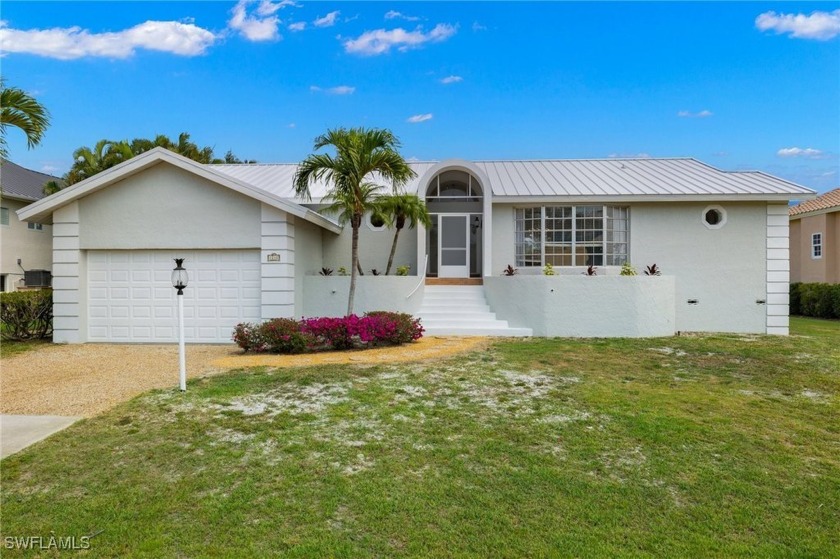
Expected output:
{"points": [[355, 222], [393, 251]]}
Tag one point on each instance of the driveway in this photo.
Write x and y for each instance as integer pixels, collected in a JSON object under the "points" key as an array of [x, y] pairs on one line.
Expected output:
{"points": [[83, 380]]}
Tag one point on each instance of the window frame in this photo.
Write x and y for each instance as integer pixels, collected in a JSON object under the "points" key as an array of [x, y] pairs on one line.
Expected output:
{"points": [[607, 244], [816, 246], [4, 212], [32, 226]]}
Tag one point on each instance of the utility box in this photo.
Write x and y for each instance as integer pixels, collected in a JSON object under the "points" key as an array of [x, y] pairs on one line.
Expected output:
{"points": [[37, 278]]}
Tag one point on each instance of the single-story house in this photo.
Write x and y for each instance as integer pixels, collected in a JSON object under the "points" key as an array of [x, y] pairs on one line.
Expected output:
{"points": [[815, 239], [23, 246], [254, 251]]}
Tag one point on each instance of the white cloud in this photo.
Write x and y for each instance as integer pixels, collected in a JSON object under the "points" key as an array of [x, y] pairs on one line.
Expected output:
{"points": [[478, 27], [705, 113], [337, 90], [807, 153], [68, 43], [419, 118], [298, 26], [291, 125], [380, 41], [451, 79], [261, 25], [821, 26], [326, 21], [397, 15]]}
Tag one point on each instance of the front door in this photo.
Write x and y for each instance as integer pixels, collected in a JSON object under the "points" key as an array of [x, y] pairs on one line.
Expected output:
{"points": [[454, 246]]}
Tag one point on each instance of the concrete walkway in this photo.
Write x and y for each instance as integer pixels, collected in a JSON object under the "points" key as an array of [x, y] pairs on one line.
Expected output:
{"points": [[19, 431]]}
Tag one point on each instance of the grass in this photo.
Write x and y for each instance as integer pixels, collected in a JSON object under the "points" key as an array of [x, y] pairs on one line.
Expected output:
{"points": [[10, 348], [713, 446]]}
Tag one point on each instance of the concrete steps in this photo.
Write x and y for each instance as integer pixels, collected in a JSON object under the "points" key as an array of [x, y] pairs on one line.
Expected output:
{"points": [[462, 310]]}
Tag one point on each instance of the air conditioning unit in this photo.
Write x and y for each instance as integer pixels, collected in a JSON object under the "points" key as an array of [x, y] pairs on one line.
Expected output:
{"points": [[37, 278]]}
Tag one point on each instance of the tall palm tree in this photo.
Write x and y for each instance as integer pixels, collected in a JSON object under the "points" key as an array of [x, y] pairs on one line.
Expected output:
{"points": [[362, 155], [21, 110], [399, 209]]}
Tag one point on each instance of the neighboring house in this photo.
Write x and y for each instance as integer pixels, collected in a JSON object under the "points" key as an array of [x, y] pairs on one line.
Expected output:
{"points": [[254, 251], [815, 239], [24, 246]]}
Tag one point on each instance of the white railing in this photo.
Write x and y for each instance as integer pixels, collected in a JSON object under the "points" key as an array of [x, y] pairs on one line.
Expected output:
{"points": [[422, 277]]}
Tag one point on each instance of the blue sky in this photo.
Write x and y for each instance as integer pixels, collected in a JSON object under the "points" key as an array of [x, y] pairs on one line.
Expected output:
{"points": [[752, 85]]}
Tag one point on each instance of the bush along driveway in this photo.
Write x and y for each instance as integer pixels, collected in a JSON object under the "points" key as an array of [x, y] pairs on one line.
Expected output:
{"points": [[717, 445]]}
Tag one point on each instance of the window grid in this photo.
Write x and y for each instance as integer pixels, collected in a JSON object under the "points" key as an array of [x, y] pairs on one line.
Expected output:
{"points": [[816, 245], [571, 235], [35, 226], [4, 216]]}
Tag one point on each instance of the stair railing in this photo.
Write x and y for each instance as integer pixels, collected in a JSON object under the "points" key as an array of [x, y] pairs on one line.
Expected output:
{"points": [[422, 278]]}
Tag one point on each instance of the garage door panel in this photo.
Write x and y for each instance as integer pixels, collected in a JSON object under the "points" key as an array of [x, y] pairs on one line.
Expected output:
{"points": [[131, 299]]}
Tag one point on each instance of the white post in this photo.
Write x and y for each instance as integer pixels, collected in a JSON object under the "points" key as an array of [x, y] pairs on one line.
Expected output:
{"points": [[182, 357]]}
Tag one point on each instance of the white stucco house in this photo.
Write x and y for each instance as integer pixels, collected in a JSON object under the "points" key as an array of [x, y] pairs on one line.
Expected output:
{"points": [[254, 251], [23, 246]]}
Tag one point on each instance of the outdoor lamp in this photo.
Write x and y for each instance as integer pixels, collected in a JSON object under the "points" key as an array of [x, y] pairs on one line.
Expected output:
{"points": [[179, 282]]}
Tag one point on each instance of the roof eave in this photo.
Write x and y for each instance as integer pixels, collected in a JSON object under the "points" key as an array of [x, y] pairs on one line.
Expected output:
{"points": [[626, 198]]}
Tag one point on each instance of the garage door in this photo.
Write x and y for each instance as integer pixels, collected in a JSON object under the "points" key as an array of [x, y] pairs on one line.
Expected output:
{"points": [[131, 298]]}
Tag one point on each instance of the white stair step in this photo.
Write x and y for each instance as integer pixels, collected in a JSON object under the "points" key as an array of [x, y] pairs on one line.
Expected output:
{"points": [[472, 323], [502, 332], [456, 314], [472, 307]]}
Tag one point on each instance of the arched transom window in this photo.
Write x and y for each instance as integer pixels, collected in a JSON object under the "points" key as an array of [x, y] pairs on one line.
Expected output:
{"points": [[451, 185]]}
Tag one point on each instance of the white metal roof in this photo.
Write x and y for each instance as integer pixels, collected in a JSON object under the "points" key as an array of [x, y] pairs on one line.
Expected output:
{"points": [[646, 178]]}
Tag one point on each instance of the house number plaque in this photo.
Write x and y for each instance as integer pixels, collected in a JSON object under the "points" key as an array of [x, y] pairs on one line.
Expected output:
{"points": [[273, 257]]}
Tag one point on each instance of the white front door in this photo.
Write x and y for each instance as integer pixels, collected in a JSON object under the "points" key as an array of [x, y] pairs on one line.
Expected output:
{"points": [[454, 246]]}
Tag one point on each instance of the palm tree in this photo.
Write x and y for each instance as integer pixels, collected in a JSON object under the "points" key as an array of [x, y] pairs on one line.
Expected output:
{"points": [[104, 155], [396, 210], [362, 155], [21, 110]]}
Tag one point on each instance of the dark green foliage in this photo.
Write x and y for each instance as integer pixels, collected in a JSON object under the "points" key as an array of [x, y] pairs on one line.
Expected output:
{"points": [[820, 300], [26, 315]]}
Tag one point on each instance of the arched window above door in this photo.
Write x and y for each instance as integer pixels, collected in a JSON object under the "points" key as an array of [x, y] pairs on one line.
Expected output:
{"points": [[454, 185]]}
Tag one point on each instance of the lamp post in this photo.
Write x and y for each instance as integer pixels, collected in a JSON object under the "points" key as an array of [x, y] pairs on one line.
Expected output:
{"points": [[179, 282]]}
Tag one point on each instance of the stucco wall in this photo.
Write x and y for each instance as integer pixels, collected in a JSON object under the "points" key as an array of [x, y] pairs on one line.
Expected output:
{"points": [[327, 296], [804, 268], [374, 248], [34, 248], [724, 269], [309, 257], [167, 207], [579, 306]]}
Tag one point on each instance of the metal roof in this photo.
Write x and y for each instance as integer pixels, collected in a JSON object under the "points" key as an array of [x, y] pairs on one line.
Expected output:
{"points": [[828, 201], [578, 178], [24, 184]]}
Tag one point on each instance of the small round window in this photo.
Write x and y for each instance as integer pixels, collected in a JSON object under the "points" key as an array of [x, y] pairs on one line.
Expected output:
{"points": [[714, 217], [375, 223]]}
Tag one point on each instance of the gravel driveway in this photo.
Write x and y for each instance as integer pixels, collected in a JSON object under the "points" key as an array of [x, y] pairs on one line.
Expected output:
{"points": [[87, 379]]}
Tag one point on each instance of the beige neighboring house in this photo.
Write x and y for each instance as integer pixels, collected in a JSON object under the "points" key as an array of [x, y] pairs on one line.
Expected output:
{"points": [[815, 239], [24, 246]]}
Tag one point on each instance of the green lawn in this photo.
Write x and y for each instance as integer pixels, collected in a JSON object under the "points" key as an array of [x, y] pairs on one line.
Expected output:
{"points": [[694, 446]]}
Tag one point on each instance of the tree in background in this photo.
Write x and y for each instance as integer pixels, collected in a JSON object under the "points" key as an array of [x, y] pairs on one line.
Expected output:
{"points": [[21, 110], [362, 155], [397, 210]]}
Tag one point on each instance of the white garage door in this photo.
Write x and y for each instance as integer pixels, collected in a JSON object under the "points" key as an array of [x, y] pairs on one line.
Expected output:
{"points": [[131, 298]]}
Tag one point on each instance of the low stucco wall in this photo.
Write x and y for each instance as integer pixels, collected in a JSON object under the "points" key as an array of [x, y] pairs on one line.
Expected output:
{"points": [[581, 306], [327, 295]]}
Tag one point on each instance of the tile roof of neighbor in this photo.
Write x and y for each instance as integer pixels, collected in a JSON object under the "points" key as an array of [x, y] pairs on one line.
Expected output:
{"points": [[20, 182], [572, 177], [827, 201]]}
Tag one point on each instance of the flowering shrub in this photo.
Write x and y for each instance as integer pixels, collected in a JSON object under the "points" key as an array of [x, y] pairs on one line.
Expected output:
{"points": [[285, 335]]}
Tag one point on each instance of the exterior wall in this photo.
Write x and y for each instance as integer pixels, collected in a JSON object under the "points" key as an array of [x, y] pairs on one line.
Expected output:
{"points": [[277, 277], [778, 271], [327, 296], [69, 278], [374, 248], [804, 268], [724, 269], [34, 248], [309, 258], [166, 207], [579, 306]]}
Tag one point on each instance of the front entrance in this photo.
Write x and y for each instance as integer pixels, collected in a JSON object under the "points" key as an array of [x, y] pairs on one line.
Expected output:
{"points": [[454, 241], [454, 246]]}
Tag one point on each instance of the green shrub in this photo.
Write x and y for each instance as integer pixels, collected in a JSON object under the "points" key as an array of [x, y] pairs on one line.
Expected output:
{"points": [[26, 315], [820, 300]]}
